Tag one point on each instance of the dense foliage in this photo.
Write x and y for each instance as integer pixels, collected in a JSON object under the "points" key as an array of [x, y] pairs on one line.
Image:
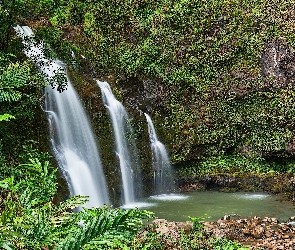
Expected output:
{"points": [[206, 55], [222, 97], [30, 220]]}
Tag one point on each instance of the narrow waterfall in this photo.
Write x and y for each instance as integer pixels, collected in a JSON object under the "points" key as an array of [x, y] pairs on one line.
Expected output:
{"points": [[122, 130], [71, 136], [163, 177]]}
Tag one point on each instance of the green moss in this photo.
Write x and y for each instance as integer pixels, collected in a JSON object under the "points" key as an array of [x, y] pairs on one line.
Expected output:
{"points": [[237, 165], [206, 54]]}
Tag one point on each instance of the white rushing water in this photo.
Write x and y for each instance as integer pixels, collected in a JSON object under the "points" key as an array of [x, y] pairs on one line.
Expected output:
{"points": [[71, 135], [163, 180], [121, 128], [169, 197]]}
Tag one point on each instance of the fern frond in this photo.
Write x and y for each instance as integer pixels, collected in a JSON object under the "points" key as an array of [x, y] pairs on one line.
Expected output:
{"points": [[71, 203], [6, 117], [6, 245], [7, 238], [15, 75], [105, 226], [9, 95]]}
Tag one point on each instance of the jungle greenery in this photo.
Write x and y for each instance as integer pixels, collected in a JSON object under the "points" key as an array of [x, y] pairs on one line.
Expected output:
{"points": [[30, 220], [217, 106], [205, 54]]}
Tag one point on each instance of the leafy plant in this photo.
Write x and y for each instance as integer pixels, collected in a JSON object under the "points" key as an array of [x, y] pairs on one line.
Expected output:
{"points": [[224, 244], [197, 225], [6, 117], [29, 219]]}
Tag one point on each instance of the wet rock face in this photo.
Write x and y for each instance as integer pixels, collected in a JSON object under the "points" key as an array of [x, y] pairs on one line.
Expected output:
{"points": [[291, 147], [275, 184], [143, 95], [278, 62]]}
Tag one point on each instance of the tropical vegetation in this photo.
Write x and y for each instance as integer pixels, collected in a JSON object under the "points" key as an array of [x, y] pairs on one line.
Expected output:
{"points": [[222, 73]]}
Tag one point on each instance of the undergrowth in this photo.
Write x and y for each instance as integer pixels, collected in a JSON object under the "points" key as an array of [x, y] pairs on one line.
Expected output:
{"points": [[30, 220]]}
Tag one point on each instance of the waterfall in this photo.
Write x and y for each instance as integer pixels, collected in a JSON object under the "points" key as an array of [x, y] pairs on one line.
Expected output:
{"points": [[73, 142], [163, 177], [123, 139]]}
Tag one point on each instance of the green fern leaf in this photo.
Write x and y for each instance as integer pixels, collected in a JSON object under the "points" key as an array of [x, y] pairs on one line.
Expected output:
{"points": [[6, 117]]}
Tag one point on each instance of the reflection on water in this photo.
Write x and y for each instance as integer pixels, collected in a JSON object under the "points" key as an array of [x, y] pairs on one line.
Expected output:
{"points": [[252, 196], [178, 207]]}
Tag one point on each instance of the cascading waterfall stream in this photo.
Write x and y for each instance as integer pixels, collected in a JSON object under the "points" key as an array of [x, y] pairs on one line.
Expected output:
{"points": [[121, 128], [71, 136], [163, 177]]}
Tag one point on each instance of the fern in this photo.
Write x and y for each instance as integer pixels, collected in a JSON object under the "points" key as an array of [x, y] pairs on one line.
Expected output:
{"points": [[13, 77], [61, 214], [6, 117], [71, 203], [7, 238], [6, 245], [105, 227], [29, 220], [9, 95]]}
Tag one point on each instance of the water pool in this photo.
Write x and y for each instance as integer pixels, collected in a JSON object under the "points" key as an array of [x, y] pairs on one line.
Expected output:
{"points": [[178, 207]]}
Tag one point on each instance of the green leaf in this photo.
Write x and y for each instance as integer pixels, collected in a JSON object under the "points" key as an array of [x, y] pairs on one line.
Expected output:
{"points": [[6, 117]]}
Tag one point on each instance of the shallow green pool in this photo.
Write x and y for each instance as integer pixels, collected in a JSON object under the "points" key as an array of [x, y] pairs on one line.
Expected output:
{"points": [[178, 207]]}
